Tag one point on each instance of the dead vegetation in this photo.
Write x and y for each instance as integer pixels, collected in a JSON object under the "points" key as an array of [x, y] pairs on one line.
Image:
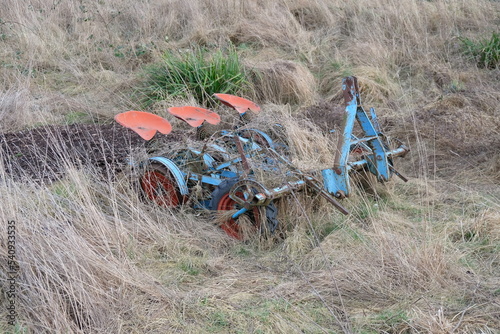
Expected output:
{"points": [[283, 82], [416, 257]]}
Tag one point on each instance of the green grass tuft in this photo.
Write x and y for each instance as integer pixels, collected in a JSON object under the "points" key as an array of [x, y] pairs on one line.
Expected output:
{"points": [[486, 52], [199, 73]]}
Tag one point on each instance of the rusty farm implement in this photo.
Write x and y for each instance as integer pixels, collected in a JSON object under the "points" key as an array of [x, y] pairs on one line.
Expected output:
{"points": [[229, 161]]}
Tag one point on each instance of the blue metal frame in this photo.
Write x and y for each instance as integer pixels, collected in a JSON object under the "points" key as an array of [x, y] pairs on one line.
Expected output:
{"points": [[336, 180], [264, 135]]}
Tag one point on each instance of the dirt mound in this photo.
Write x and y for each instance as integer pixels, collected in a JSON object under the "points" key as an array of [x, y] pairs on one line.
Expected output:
{"points": [[326, 115], [44, 153]]}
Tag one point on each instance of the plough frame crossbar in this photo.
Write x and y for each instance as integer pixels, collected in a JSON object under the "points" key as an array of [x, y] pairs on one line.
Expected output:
{"points": [[223, 167]]}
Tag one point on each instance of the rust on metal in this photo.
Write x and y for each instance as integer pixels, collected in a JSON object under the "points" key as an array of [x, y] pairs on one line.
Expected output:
{"points": [[350, 90], [398, 174], [316, 185], [246, 167]]}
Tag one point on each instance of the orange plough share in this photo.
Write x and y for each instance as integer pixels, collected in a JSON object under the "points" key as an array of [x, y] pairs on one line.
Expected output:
{"points": [[238, 103], [143, 123], [195, 116]]}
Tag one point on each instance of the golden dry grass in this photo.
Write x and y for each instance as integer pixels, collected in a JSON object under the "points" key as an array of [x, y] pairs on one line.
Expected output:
{"points": [[416, 257]]}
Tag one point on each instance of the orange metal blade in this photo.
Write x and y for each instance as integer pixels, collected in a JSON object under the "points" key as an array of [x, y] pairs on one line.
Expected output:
{"points": [[238, 103], [143, 123], [195, 116]]}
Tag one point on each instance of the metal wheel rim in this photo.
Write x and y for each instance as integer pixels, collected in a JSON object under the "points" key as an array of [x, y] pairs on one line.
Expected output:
{"points": [[230, 226], [160, 189]]}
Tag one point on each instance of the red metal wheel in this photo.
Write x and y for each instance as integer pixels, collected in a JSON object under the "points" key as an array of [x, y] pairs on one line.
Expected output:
{"points": [[222, 202], [230, 226], [158, 186]]}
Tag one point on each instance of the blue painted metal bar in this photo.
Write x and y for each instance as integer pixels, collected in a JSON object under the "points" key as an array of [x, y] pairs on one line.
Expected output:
{"points": [[336, 181], [374, 119], [361, 140], [264, 135], [239, 213], [253, 152], [377, 162], [207, 158], [228, 174], [284, 189], [218, 148], [360, 164], [227, 164], [215, 181]]}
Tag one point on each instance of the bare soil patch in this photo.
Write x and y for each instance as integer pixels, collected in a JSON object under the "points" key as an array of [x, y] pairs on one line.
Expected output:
{"points": [[44, 153], [327, 115]]}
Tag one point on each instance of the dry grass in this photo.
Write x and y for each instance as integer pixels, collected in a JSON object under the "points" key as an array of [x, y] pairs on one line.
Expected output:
{"points": [[420, 257], [283, 82]]}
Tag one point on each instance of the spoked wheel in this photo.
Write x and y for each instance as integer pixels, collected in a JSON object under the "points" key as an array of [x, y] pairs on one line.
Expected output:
{"points": [[248, 223], [159, 186]]}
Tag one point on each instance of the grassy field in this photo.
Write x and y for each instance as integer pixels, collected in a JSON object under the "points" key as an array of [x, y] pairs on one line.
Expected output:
{"points": [[416, 257]]}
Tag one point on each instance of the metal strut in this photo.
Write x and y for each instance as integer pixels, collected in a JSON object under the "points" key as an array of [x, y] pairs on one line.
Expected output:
{"points": [[336, 180]]}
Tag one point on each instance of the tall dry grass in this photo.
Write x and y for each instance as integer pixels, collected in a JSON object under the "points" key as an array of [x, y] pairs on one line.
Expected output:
{"points": [[384, 42], [420, 257]]}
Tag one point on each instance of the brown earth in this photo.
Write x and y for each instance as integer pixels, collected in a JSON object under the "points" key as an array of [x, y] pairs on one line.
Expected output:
{"points": [[325, 114], [43, 154]]}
